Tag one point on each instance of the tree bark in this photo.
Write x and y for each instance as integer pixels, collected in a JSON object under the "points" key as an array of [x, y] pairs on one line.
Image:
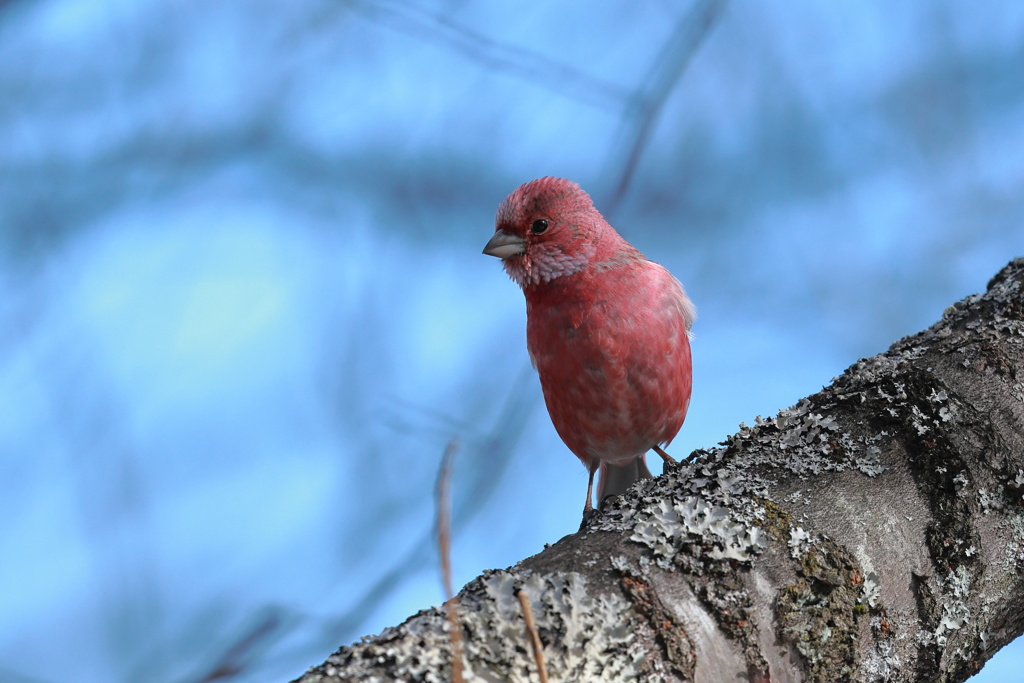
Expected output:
{"points": [[872, 532]]}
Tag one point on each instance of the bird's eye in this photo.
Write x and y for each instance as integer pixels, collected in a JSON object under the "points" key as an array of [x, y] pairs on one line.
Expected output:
{"points": [[539, 226]]}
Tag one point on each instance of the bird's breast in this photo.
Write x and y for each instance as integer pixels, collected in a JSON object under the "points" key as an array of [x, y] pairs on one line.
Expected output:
{"points": [[614, 364]]}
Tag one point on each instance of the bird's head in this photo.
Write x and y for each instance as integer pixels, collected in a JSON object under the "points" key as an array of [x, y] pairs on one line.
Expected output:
{"points": [[546, 229]]}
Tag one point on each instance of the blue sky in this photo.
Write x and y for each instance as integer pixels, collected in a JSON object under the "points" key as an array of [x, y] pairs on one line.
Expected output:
{"points": [[244, 307]]}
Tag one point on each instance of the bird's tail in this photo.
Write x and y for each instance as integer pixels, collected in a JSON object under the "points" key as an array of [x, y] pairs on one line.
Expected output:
{"points": [[614, 479]]}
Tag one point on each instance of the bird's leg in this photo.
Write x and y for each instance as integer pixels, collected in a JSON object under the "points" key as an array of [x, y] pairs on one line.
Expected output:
{"points": [[588, 509], [669, 460]]}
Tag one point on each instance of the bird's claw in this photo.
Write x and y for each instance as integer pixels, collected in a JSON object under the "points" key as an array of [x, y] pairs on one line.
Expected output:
{"points": [[589, 515]]}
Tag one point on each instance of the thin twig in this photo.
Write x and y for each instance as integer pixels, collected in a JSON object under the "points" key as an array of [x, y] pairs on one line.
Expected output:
{"points": [[444, 551], [533, 636], [498, 445], [234, 661], [661, 77], [537, 68]]}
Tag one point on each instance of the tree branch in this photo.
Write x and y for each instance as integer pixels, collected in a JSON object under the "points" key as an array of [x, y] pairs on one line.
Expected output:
{"points": [[874, 531]]}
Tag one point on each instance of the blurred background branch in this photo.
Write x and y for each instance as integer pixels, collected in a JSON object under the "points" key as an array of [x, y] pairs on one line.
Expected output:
{"points": [[244, 306]]}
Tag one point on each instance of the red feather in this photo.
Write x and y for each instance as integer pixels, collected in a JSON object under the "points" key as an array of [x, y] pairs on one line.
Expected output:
{"points": [[607, 330]]}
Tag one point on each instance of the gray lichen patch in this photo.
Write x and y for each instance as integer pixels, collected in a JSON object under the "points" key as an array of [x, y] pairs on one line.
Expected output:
{"points": [[799, 542], [695, 519], [955, 612], [585, 637], [1013, 487], [883, 661], [805, 439], [715, 517], [956, 635], [1014, 553]]}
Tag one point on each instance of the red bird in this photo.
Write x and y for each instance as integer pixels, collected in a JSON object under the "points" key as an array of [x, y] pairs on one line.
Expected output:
{"points": [[607, 330]]}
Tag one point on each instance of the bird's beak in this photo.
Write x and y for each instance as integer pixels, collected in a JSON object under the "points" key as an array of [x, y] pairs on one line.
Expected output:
{"points": [[505, 245]]}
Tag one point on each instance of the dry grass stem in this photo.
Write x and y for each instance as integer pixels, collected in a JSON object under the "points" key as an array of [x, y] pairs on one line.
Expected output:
{"points": [[533, 636], [444, 521]]}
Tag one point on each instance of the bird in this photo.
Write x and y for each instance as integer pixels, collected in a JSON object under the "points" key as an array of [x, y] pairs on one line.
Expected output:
{"points": [[607, 330]]}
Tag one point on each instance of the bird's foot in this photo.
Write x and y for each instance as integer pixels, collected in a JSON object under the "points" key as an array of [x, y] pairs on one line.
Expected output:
{"points": [[589, 515]]}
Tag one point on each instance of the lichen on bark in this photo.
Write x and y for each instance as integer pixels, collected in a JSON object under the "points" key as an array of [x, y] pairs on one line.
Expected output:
{"points": [[872, 532]]}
